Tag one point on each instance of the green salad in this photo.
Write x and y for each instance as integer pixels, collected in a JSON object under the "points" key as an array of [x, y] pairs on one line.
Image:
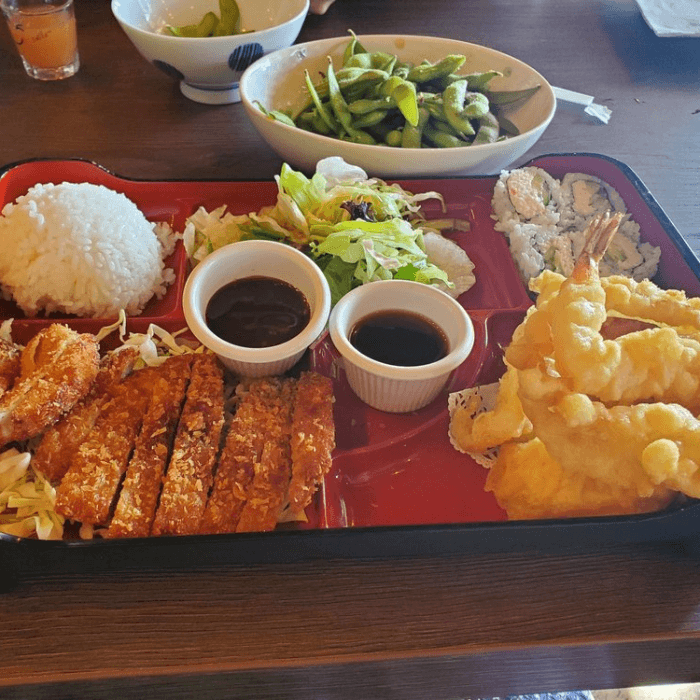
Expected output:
{"points": [[357, 229]]}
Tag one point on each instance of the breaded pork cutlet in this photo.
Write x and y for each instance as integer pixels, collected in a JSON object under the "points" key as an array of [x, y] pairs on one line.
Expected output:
{"points": [[9, 364], [88, 489], [268, 491], [138, 498], [58, 367], [313, 438], [195, 450], [241, 453], [60, 443]]}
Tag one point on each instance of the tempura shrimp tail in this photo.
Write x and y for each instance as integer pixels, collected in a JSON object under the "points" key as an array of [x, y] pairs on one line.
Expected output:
{"points": [[600, 232]]}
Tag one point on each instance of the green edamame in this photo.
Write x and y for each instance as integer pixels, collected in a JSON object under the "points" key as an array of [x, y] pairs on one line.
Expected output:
{"points": [[453, 104], [229, 19], [205, 27], [375, 97], [488, 129], [442, 140], [428, 72], [321, 109], [476, 105], [227, 23], [412, 135]]}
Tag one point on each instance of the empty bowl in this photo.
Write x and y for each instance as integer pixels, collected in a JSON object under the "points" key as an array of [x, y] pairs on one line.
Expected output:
{"points": [[401, 316], [253, 261], [208, 68]]}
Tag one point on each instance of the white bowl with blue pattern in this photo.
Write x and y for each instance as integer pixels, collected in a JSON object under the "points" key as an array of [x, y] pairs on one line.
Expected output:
{"points": [[208, 68]]}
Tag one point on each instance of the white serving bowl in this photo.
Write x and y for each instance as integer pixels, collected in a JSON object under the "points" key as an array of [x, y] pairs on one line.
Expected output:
{"points": [[256, 259], [388, 387], [208, 68], [277, 82]]}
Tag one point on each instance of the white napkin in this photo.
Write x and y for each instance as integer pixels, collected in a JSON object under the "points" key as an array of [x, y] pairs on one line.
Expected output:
{"points": [[672, 17], [600, 112]]}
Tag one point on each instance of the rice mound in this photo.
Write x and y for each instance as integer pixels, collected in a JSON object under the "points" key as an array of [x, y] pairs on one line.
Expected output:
{"points": [[80, 249]]}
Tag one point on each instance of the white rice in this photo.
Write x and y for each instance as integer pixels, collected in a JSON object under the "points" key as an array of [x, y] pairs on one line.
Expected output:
{"points": [[545, 222], [81, 249]]}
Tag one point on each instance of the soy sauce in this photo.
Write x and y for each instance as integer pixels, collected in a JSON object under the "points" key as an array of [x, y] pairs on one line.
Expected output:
{"points": [[257, 312], [399, 338]]}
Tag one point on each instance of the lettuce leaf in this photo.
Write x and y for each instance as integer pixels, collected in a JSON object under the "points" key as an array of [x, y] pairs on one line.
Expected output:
{"points": [[309, 214]]}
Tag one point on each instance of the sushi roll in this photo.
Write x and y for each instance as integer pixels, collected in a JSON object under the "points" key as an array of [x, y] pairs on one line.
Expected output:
{"points": [[545, 220], [628, 256], [526, 195], [583, 197]]}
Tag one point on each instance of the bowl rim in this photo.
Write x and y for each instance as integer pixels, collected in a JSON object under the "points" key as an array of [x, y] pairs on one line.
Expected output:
{"points": [[457, 355], [185, 40], [280, 54], [194, 314]]}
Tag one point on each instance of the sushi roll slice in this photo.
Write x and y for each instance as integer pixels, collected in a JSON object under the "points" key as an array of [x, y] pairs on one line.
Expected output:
{"points": [[583, 197], [526, 195]]}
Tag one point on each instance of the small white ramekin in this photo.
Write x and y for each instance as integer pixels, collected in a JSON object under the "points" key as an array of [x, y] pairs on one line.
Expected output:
{"points": [[388, 387], [256, 259]]}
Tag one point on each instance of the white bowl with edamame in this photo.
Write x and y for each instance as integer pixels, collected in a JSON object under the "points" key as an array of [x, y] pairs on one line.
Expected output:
{"points": [[209, 68], [276, 84]]}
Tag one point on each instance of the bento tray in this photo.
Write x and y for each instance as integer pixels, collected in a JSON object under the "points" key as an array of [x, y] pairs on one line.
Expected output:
{"points": [[397, 486]]}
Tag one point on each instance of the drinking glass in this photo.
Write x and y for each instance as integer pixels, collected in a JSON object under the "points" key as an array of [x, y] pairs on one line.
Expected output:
{"points": [[45, 35]]}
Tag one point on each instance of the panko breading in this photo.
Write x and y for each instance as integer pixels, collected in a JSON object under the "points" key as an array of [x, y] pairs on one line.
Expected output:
{"points": [[268, 491], [138, 498], [189, 475], [9, 364], [60, 443], [87, 491], [313, 438], [58, 367], [242, 452]]}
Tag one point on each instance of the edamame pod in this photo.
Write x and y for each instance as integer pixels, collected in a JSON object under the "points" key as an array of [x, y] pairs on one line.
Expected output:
{"points": [[323, 112], [341, 111], [413, 134], [507, 126], [476, 105], [353, 47], [443, 140], [476, 81], [229, 18], [348, 78], [364, 106], [427, 72], [276, 114], [362, 121], [507, 97], [403, 93], [453, 102], [204, 28], [393, 138], [377, 59], [488, 129]]}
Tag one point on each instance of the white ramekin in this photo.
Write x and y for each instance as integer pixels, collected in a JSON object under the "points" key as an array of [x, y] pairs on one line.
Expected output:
{"points": [[388, 387], [252, 259]]}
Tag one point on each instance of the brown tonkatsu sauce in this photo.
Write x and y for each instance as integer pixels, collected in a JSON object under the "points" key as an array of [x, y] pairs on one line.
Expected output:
{"points": [[257, 312]]}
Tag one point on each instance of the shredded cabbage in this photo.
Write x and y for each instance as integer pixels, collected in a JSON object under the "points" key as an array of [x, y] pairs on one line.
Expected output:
{"points": [[27, 499]]}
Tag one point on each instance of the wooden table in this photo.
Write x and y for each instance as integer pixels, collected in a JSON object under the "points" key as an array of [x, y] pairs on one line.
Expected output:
{"points": [[415, 627]]}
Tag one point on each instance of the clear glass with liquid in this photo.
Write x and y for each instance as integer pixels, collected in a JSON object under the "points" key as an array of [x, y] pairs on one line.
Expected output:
{"points": [[45, 35]]}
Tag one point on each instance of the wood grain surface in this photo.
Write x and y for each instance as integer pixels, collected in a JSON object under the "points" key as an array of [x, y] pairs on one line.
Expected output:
{"points": [[429, 627]]}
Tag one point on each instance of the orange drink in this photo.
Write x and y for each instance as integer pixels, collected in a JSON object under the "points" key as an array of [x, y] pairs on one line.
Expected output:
{"points": [[45, 35]]}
